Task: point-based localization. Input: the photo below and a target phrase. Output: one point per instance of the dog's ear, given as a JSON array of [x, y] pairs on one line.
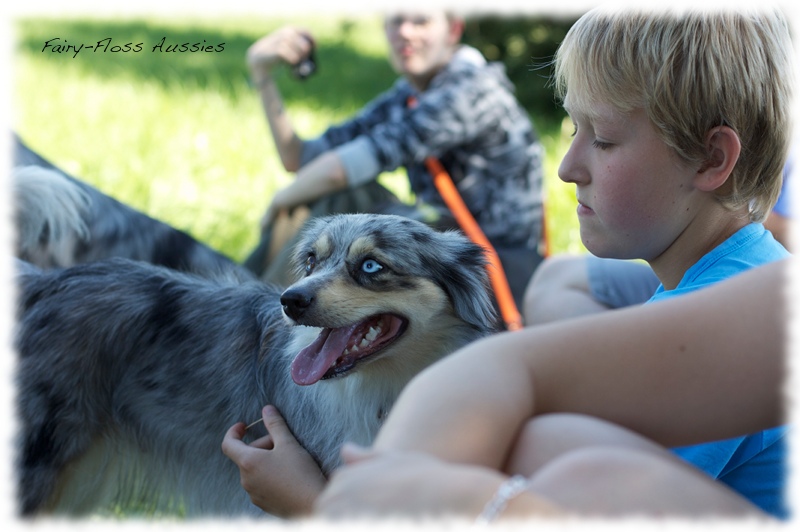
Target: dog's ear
[[465, 278]]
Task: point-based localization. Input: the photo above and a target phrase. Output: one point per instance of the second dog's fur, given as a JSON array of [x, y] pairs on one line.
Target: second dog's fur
[[63, 221], [130, 374]]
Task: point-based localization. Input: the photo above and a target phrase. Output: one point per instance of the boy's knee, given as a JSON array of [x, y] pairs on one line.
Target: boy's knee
[[554, 278], [614, 481], [596, 475], [559, 272], [546, 438], [599, 463]]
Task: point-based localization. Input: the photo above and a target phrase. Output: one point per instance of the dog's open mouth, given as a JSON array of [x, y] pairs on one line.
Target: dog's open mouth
[[337, 351]]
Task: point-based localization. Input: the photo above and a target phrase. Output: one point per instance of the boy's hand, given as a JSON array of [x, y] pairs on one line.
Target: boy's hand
[[287, 45], [404, 484], [278, 474]]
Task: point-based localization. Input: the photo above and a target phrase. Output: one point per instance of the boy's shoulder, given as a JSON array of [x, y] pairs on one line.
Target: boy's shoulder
[[469, 69]]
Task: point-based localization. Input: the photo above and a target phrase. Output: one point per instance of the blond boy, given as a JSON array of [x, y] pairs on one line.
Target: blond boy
[[681, 129]]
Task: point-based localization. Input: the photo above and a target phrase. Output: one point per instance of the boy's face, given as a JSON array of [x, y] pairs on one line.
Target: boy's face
[[635, 195], [420, 44]]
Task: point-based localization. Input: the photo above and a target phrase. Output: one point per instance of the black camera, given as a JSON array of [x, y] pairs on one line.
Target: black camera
[[306, 66]]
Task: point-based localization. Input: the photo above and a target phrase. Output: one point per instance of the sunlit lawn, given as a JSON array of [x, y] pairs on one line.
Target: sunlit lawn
[[181, 136]]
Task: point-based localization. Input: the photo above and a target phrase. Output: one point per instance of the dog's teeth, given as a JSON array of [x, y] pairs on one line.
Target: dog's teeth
[[364, 343], [372, 334], [347, 351], [354, 349]]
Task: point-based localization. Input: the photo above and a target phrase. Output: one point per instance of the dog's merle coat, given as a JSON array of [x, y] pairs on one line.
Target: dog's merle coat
[[130, 373]]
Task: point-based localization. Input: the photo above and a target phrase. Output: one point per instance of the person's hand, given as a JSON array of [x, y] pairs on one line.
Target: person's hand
[[286, 45], [404, 484], [278, 474]]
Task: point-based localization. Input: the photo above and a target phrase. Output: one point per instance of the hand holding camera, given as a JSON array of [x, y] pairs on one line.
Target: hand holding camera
[[289, 45]]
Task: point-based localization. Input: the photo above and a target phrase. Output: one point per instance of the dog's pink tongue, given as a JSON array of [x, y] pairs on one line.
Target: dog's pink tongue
[[314, 361]]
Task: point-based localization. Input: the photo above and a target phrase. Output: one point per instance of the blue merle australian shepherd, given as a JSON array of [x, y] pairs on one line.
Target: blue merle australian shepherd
[[130, 373]]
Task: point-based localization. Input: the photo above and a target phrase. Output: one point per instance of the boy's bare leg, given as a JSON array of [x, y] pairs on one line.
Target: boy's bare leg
[[596, 468], [558, 290]]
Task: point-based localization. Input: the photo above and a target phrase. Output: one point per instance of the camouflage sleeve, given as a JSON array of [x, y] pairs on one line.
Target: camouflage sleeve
[[456, 114], [339, 136], [388, 134]]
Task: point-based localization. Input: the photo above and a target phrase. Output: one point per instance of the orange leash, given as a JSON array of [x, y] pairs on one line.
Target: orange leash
[[497, 276], [502, 292]]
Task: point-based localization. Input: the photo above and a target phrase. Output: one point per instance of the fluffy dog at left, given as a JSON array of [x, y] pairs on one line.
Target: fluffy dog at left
[[62, 221], [129, 374]]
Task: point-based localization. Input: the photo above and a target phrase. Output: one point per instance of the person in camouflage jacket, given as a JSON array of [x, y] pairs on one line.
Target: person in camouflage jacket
[[450, 104]]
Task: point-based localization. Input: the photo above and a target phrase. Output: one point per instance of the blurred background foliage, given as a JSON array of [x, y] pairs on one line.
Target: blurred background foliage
[[526, 46], [181, 136]]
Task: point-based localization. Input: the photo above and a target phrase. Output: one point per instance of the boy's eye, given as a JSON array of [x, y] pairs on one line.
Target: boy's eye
[[601, 145], [371, 266], [417, 20]]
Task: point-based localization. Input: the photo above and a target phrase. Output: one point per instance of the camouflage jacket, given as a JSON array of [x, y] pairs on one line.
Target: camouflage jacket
[[469, 119]]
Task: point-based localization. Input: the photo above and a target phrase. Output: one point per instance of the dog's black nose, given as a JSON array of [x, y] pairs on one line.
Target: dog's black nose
[[295, 303]]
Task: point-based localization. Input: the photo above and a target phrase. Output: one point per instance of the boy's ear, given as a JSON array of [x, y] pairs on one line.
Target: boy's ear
[[456, 30], [724, 147]]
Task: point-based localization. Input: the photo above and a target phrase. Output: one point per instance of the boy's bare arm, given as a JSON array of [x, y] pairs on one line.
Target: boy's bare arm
[[286, 45], [701, 367]]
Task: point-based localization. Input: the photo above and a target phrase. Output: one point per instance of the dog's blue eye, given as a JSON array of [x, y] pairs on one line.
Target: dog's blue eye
[[371, 266], [311, 261]]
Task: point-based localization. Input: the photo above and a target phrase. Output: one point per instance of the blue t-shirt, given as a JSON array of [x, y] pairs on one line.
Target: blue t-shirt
[[753, 465]]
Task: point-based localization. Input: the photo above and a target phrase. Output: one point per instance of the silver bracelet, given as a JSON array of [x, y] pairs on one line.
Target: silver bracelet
[[507, 491]]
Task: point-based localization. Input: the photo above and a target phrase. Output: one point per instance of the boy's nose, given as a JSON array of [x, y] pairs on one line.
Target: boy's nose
[[570, 171]]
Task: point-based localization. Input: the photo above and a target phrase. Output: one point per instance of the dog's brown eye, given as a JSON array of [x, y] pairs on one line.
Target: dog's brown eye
[[311, 261]]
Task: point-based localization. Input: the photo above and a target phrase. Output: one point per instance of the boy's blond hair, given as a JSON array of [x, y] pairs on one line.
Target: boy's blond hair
[[692, 70]]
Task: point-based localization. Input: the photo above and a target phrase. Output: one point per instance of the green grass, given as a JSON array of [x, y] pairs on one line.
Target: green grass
[[182, 136]]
